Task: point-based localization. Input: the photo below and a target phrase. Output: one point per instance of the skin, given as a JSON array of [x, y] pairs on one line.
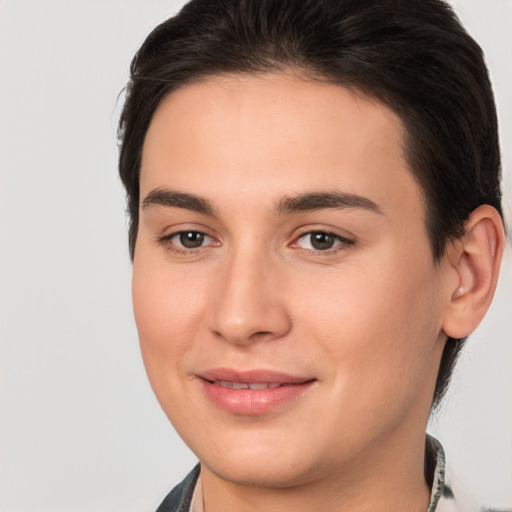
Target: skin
[[364, 319]]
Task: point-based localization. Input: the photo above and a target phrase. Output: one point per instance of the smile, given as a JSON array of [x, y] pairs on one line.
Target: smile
[[246, 385], [254, 392]]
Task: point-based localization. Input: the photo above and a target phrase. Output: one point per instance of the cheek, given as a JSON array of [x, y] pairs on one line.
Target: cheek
[[378, 325], [168, 314]]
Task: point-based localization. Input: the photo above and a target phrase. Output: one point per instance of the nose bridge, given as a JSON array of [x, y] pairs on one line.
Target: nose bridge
[[247, 304]]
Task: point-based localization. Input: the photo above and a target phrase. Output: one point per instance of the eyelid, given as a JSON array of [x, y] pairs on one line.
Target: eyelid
[[343, 241], [166, 240], [174, 229], [179, 233]]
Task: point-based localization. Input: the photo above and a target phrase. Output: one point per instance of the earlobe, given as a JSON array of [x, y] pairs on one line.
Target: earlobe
[[476, 258]]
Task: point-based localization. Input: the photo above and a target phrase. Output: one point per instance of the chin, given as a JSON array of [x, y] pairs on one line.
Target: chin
[[256, 460], [269, 473]]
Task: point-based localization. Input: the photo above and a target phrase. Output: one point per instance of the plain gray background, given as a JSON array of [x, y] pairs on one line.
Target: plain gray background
[[80, 428]]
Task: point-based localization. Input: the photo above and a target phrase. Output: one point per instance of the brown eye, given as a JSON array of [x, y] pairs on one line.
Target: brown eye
[[321, 241], [191, 239], [185, 243]]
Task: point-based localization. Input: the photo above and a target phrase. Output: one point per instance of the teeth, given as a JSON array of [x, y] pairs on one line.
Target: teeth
[[264, 385], [254, 385], [239, 385], [244, 385]]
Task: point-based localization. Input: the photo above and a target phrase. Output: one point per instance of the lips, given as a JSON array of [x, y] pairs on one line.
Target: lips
[[246, 385], [252, 392]]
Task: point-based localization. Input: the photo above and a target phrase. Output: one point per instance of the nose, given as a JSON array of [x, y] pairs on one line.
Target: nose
[[249, 302]]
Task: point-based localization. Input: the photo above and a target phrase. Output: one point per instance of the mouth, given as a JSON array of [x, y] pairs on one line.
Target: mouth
[[253, 392], [247, 385]]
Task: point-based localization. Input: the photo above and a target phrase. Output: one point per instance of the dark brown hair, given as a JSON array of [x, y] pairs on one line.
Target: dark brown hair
[[412, 55]]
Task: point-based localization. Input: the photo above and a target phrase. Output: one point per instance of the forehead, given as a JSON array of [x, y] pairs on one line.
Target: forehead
[[271, 135]]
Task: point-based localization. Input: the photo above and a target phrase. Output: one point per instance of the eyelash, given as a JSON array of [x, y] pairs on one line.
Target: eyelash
[[167, 242], [342, 244]]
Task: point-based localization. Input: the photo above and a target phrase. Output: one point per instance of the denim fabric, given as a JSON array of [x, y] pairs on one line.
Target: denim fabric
[[178, 500]]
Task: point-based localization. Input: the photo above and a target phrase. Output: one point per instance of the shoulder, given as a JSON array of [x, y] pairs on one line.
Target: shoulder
[[448, 493], [457, 498], [178, 500]]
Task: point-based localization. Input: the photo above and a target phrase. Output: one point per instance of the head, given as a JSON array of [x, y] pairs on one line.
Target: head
[[410, 59], [412, 55]]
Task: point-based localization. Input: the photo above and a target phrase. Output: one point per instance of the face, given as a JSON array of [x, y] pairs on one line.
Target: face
[[288, 307]]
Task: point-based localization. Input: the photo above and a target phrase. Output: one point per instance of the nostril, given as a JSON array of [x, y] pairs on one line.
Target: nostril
[[261, 334]]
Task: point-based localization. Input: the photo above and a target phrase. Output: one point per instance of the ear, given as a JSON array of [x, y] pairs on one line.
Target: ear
[[476, 258]]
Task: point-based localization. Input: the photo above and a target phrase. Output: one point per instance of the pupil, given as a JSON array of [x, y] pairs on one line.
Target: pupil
[[322, 241], [191, 239]]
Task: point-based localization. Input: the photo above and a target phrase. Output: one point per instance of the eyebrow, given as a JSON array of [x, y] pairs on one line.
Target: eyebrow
[[325, 200], [164, 197], [310, 201]]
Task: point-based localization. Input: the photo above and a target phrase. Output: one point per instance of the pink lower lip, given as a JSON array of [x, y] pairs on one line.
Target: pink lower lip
[[253, 401]]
